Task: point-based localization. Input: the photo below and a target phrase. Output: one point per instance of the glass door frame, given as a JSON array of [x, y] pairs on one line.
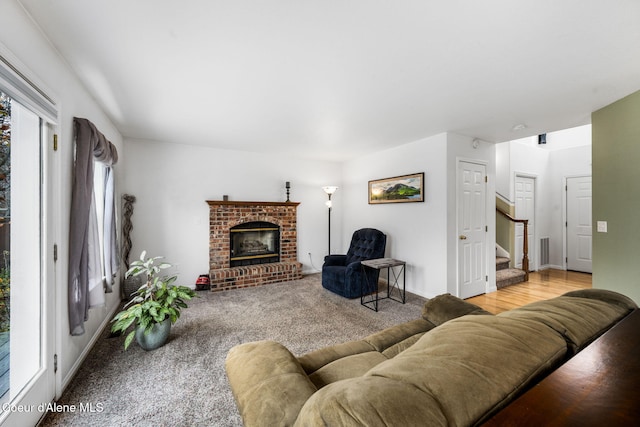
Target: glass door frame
[[30, 404]]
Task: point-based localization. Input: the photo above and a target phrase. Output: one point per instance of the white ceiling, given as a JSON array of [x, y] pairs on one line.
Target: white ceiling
[[333, 78]]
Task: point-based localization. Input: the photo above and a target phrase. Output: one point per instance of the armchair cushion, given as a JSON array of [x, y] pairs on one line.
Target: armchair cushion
[[343, 274]]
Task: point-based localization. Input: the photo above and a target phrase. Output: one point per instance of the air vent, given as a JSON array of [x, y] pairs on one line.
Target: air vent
[[544, 251]]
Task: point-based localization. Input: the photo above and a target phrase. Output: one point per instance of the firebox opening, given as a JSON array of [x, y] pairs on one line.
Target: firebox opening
[[256, 242]]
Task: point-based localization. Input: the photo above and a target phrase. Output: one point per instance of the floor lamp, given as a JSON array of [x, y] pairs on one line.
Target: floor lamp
[[329, 190]]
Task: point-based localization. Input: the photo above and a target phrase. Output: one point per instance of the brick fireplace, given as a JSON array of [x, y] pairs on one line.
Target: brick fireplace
[[227, 215]]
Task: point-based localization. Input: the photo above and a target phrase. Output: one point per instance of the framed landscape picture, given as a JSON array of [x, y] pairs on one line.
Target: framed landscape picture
[[399, 189]]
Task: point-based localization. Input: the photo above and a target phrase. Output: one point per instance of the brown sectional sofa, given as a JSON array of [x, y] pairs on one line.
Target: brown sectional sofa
[[456, 365]]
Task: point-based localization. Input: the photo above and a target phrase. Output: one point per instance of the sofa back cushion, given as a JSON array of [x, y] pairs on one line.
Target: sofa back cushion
[[578, 319], [456, 374]]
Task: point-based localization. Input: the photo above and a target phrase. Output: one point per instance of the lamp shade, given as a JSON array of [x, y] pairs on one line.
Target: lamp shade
[[330, 189]]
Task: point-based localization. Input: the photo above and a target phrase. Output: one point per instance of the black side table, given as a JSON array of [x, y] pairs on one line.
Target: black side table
[[394, 266]]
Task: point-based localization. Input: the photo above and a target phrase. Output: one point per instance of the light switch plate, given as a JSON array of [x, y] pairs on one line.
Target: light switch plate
[[602, 226]]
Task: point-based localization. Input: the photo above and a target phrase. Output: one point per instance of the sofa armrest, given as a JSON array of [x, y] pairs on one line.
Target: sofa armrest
[[268, 383], [335, 260], [441, 309]]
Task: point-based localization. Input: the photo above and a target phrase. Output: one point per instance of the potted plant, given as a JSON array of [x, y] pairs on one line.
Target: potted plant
[[155, 306]]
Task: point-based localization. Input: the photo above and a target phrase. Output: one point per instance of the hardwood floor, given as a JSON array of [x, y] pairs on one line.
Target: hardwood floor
[[542, 285]]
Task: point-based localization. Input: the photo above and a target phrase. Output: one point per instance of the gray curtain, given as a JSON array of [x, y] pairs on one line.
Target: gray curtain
[[90, 145]]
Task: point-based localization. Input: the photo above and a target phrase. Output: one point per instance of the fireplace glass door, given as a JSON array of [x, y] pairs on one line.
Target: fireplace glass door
[[255, 243]]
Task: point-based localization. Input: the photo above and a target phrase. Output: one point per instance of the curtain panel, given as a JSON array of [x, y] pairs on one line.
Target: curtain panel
[[90, 274]]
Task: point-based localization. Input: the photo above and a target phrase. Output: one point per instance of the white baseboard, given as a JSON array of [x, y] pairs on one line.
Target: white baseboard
[[551, 266], [74, 368]]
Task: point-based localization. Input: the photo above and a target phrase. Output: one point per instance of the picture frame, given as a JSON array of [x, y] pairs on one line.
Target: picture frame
[[397, 189]]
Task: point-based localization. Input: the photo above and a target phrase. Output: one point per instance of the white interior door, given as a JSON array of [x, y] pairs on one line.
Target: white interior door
[[525, 207], [30, 374], [472, 226], [579, 224]]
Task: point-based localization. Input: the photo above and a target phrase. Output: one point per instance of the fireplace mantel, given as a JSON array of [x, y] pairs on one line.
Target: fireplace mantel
[[241, 203], [225, 214]]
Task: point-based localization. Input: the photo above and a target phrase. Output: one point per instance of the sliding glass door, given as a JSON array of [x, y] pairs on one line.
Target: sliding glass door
[[26, 271]]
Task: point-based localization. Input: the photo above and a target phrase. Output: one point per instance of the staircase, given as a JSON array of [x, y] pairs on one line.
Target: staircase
[[506, 276]]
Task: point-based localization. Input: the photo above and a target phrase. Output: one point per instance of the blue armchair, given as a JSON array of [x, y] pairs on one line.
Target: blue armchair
[[342, 274]]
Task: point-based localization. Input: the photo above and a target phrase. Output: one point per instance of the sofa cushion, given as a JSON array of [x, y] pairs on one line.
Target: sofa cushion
[[352, 366], [370, 401], [445, 307], [379, 341], [268, 383], [315, 360], [579, 320], [456, 374], [401, 346], [389, 337]]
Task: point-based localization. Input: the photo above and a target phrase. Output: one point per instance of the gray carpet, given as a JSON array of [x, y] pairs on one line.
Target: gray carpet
[[184, 382]]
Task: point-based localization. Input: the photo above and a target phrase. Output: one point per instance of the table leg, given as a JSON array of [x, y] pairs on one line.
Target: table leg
[[363, 294]]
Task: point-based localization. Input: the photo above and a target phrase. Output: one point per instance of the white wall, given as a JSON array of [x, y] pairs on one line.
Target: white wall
[[579, 136], [416, 232], [172, 182], [422, 234], [40, 61]]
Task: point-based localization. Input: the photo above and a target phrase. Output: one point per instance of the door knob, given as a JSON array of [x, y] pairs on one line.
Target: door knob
[[463, 237]]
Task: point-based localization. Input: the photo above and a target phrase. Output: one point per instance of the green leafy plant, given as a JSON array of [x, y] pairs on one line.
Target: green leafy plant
[[5, 292], [155, 301], [5, 157]]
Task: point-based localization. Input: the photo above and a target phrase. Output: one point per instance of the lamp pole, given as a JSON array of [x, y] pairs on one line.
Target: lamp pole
[[329, 190], [329, 222]]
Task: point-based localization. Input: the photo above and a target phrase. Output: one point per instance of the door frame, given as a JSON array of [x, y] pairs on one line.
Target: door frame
[[533, 246], [565, 242], [489, 216], [27, 89]]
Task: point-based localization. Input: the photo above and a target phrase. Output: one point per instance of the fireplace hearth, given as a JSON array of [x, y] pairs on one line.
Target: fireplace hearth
[[252, 243]]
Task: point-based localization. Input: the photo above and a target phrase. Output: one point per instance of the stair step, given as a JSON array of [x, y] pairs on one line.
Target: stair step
[[502, 263], [508, 277]]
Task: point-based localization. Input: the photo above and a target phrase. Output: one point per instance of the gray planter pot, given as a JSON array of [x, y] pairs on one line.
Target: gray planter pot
[[157, 337]]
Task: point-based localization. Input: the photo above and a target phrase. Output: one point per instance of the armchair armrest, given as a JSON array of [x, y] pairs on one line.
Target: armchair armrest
[[335, 260], [355, 265]]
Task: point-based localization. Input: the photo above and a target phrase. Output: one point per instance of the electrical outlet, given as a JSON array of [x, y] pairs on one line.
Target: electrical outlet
[[602, 226]]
